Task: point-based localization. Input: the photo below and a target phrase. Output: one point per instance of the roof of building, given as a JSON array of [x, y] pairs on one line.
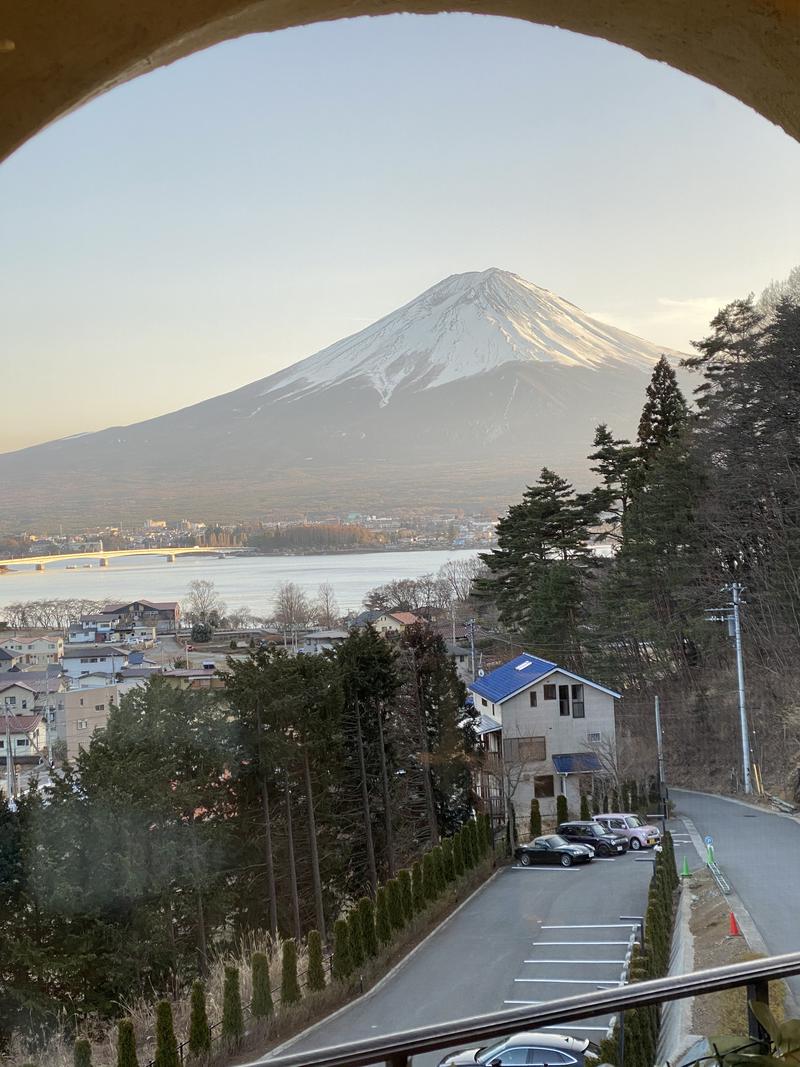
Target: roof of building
[[140, 672], [407, 618], [326, 635], [38, 681], [577, 762], [103, 649], [166, 605], [190, 672], [16, 684], [519, 674], [23, 724], [487, 725], [365, 617], [5, 655]]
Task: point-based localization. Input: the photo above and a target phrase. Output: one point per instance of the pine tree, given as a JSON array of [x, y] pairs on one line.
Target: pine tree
[[366, 913], [664, 413], [261, 1005], [290, 987], [126, 1044], [438, 867], [82, 1053], [315, 979], [562, 810], [342, 963], [383, 925], [614, 459], [406, 893], [585, 813], [395, 904], [199, 1030], [355, 939], [232, 1015], [538, 570], [166, 1043], [536, 819]]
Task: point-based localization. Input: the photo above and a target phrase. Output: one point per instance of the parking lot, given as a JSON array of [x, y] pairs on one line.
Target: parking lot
[[531, 934]]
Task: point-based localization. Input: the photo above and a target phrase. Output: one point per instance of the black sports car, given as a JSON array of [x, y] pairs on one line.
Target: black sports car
[[553, 849]]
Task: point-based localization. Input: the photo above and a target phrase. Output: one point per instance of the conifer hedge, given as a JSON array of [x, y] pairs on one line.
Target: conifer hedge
[[394, 897], [342, 961], [458, 855], [585, 813], [536, 818], [82, 1053], [166, 1044], [406, 894], [315, 979], [417, 888], [428, 878], [261, 1004], [232, 1014], [366, 913], [126, 1044], [290, 987], [383, 925], [562, 810], [199, 1030]]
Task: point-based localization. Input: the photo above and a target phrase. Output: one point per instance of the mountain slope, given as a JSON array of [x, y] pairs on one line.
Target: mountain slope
[[457, 398]]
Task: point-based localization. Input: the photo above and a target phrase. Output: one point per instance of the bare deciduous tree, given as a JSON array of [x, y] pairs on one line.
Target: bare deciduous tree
[[460, 574], [326, 608], [291, 607], [203, 602]]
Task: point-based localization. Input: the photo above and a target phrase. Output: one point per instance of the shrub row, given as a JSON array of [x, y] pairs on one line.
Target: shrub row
[[650, 960]]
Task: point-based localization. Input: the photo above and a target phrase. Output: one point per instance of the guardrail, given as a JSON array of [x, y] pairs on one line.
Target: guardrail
[[398, 1050]]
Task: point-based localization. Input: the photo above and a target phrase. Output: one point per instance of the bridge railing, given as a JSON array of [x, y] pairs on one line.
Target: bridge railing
[[399, 1049]]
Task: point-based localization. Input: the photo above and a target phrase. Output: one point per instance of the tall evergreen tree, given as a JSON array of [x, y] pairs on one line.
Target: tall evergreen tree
[[126, 1044], [664, 413], [199, 1030], [342, 962], [232, 1015], [261, 1005], [290, 987], [166, 1043], [315, 979]]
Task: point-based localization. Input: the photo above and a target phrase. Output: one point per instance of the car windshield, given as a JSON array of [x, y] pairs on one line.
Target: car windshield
[[552, 841], [485, 1055], [595, 831], [633, 821]]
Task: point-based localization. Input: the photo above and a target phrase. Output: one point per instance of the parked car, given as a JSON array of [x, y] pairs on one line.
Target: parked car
[[639, 833], [553, 849], [604, 842], [544, 1049]]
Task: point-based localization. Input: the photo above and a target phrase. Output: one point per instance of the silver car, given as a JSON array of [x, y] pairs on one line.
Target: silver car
[[540, 1048]]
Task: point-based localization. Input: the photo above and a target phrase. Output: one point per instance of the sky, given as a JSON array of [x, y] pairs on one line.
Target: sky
[[214, 221]]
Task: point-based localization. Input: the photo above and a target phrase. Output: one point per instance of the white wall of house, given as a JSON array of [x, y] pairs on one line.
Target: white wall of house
[[85, 710], [561, 733], [35, 651], [94, 662]]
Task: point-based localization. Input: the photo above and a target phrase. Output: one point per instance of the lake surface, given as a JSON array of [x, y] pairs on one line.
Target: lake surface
[[241, 581]]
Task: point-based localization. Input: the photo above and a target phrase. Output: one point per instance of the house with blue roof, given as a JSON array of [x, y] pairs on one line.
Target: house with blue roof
[[543, 730]]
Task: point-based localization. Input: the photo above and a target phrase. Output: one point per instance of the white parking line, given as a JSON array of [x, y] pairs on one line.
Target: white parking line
[[602, 1029], [574, 961], [593, 926], [549, 944], [603, 859], [527, 1003], [551, 870], [570, 981]]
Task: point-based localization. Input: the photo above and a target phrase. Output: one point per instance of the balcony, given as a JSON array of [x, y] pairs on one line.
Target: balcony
[[399, 1049]]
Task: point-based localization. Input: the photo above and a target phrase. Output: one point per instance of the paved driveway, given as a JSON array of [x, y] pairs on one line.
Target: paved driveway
[[507, 946]]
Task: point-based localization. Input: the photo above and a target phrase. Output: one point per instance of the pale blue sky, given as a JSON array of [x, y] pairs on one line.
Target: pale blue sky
[[214, 221]]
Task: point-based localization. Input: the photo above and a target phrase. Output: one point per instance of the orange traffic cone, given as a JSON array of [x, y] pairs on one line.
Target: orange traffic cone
[[733, 926]]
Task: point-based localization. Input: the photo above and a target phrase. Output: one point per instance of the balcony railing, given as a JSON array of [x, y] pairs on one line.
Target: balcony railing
[[399, 1049]]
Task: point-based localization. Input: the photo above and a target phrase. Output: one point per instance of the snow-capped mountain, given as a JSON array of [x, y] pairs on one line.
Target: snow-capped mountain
[[467, 324], [458, 398]]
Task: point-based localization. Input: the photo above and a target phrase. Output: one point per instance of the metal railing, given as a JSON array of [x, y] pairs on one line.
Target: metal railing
[[398, 1050]]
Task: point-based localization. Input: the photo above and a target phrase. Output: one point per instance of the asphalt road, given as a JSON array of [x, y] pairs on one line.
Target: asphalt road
[[496, 952], [759, 854]]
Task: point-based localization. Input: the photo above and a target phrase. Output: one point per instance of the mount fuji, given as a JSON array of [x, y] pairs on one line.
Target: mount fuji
[[458, 398]]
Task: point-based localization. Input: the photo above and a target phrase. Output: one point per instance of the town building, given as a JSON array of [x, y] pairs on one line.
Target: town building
[[542, 728], [394, 622], [25, 732], [34, 648], [80, 660], [193, 678], [164, 616], [322, 641], [84, 711]]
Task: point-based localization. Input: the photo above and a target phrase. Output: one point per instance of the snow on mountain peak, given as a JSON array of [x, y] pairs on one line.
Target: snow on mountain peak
[[465, 325]]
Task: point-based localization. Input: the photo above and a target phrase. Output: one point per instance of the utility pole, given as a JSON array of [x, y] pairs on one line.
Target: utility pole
[[662, 785], [731, 614], [9, 760], [470, 627], [736, 597]]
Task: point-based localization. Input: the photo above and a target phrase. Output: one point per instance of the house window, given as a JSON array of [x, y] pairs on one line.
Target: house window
[[99, 707], [563, 700], [533, 698], [525, 749], [82, 724], [81, 701], [544, 785], [22, 742], [549, 692], [593, 738], [578, 707], [484, 702]]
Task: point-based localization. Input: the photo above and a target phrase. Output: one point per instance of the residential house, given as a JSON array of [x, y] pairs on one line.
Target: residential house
[[394, 622], [101, 658], [8, 659], [26, 735], [541, 727], [462, 660], [34, 648], [193, 678], [85, 710], [164, 616], [322, 641]]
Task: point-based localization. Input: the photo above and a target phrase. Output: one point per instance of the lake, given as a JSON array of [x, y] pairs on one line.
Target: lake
[[241, 581]]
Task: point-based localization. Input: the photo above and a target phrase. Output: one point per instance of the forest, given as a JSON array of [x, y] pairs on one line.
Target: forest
[[193, 821], [707, 494]]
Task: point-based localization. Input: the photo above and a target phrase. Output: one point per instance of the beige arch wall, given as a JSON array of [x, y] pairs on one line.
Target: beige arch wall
[[57, 54]]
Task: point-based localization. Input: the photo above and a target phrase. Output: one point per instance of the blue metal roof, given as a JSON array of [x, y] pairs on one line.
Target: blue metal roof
[[576, 762], [503, 682], [487, 725]]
